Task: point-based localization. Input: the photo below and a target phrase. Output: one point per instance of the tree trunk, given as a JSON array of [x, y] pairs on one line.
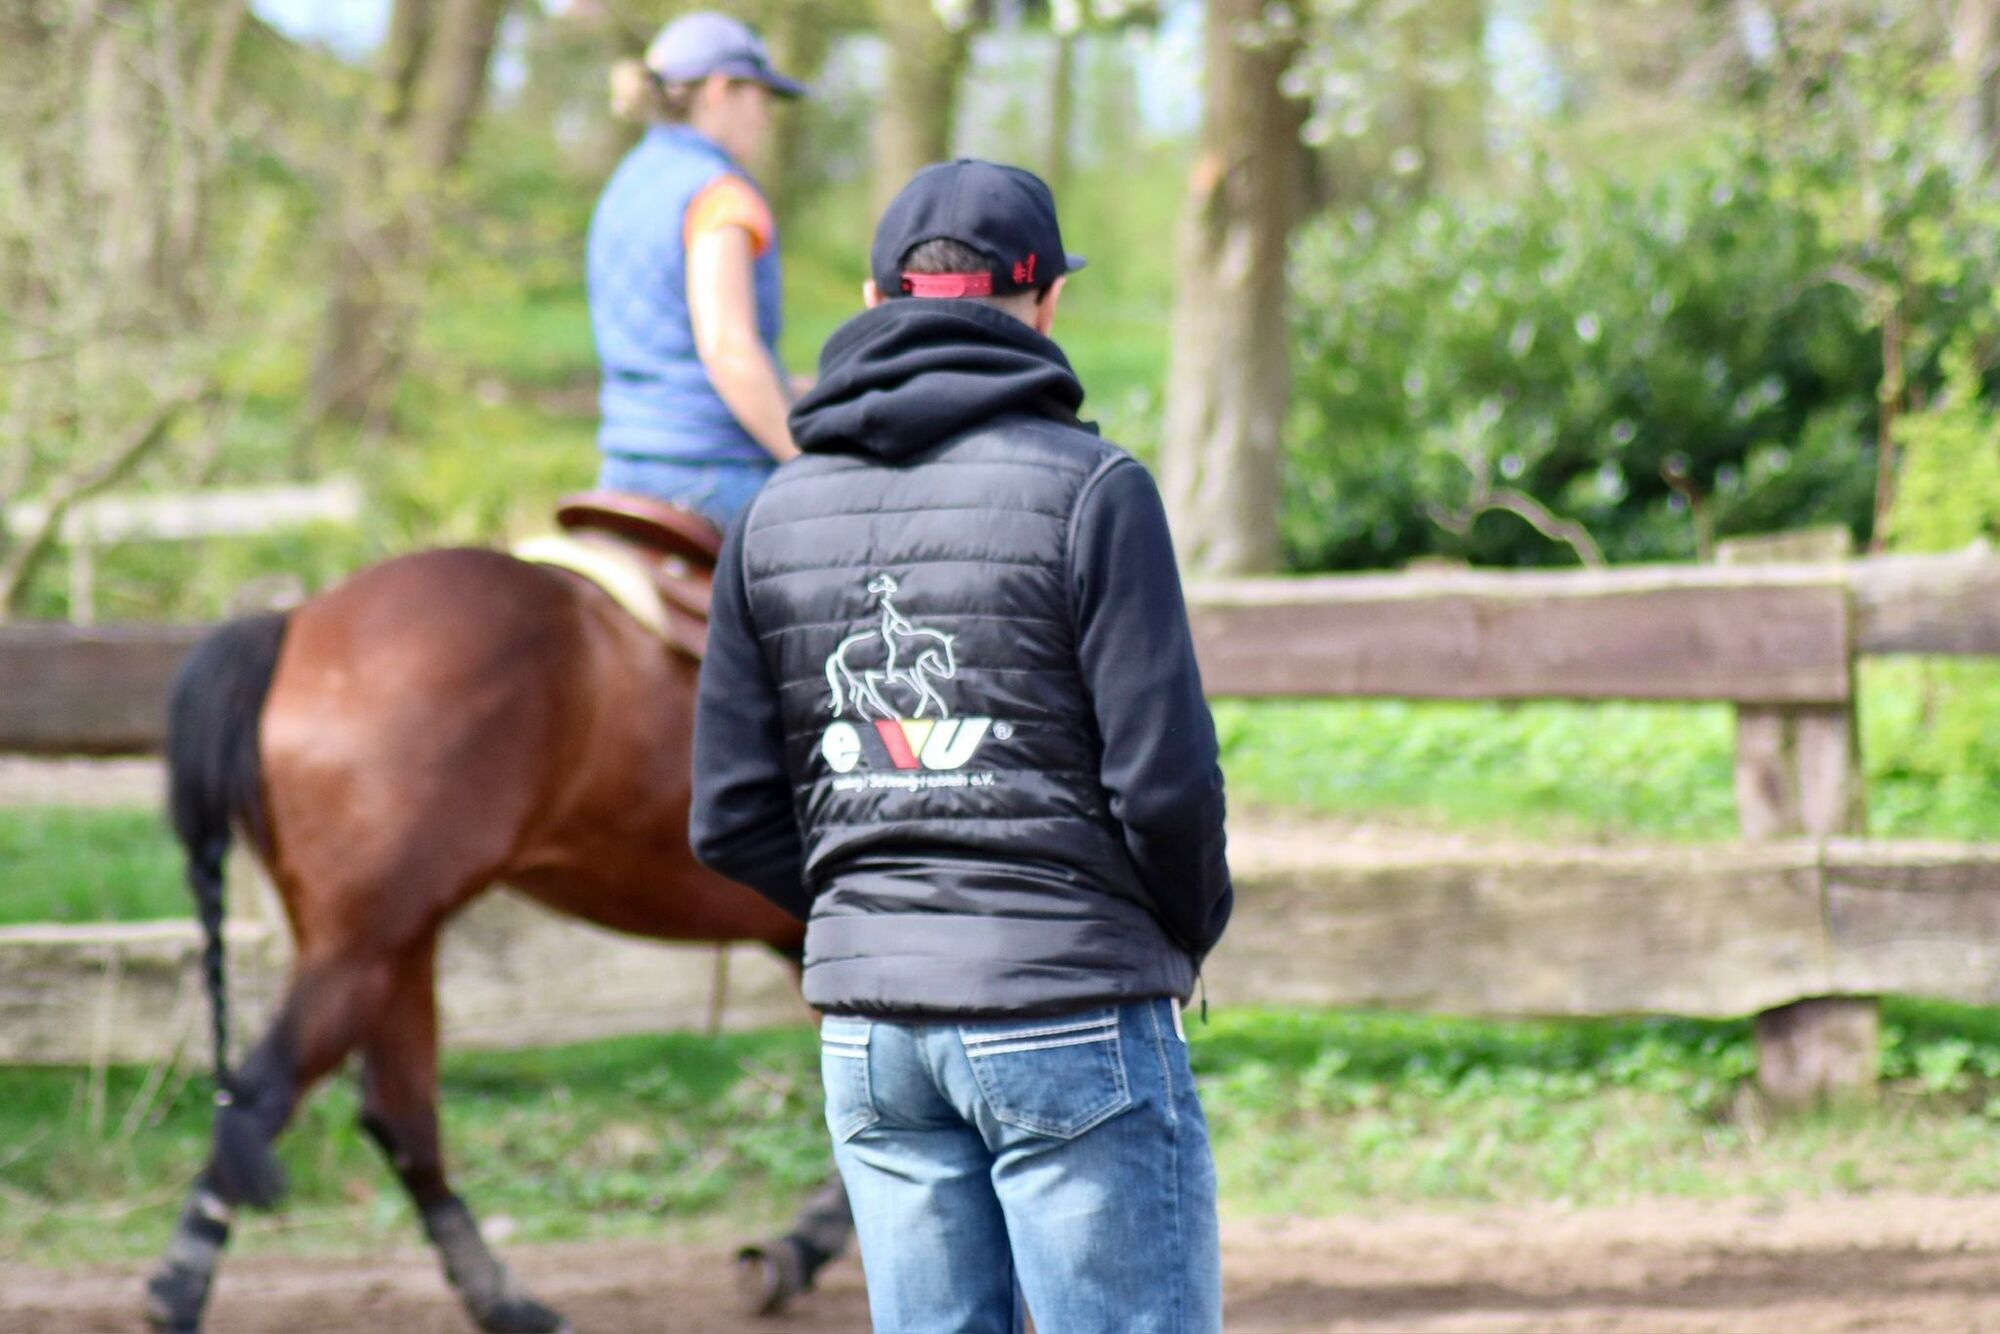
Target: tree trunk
[[1230, 377], [1975, 50], [117, 170], [195, 166], [432, 83], [452, 87], [1455, 119], [799, 38], [403, 48], [913, 124], [1062, 111]]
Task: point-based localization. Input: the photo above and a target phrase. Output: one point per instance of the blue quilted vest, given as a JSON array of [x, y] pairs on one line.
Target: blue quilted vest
[[656, 401]]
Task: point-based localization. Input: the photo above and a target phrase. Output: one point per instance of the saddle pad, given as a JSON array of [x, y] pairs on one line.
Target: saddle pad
[[612, 568]]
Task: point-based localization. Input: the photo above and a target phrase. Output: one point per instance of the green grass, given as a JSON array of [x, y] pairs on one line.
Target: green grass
[[1313, 1112], [60, 864], [1547, 771], [1321, 1112], [1529, 771], [596, 1140]]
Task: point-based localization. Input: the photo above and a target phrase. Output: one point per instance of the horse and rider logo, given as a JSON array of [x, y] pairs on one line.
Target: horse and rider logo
[[889, 675]]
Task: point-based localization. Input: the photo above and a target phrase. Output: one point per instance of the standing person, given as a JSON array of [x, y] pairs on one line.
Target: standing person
[[684, 279], [951, 716]]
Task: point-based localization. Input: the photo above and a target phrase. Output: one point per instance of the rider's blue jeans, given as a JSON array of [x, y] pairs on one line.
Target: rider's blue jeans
[[1061, 1160], [718, 491]]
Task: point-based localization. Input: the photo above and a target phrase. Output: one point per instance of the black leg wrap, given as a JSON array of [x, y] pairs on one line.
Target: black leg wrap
[[177, 1295], [825, 1225], [490, 1295], [244, 1170], [770, 1275]]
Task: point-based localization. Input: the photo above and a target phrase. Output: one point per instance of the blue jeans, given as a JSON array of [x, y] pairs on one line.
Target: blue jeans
[[717, 491], [1061, 1160]]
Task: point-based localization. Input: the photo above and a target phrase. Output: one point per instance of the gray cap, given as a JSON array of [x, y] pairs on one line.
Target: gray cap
[[697, 45]]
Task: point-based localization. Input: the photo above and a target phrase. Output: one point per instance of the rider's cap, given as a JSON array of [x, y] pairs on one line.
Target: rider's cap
[[697, 45], [1004, 213]]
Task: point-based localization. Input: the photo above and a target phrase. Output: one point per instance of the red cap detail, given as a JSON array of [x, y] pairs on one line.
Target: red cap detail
[[1024, 272], [948, 284]]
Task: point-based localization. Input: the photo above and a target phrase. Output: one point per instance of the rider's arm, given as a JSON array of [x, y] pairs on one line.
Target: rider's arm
[[722, 304], [1160, 766], [743, 825]]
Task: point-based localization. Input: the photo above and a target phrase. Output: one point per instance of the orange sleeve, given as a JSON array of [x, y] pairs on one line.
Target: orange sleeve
[[730, 201]]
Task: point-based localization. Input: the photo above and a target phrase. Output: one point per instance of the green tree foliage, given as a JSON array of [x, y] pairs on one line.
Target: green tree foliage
[[1576, 339], [1949, 493], [1946, 743]]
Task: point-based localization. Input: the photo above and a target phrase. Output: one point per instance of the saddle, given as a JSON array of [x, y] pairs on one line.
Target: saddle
[[656, 560]]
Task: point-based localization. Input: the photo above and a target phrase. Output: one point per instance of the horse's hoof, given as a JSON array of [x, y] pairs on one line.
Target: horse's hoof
[[522, 1315], [173, 1303], [769, 1276]]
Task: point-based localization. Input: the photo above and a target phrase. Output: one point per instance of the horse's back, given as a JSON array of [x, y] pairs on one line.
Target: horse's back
[[438, 614]]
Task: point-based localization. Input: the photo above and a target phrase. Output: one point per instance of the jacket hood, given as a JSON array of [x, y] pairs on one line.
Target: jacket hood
[[910, 373]]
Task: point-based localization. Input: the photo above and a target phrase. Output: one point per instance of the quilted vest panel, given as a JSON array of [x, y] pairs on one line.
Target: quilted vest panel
[[656, 400], [918, 621]]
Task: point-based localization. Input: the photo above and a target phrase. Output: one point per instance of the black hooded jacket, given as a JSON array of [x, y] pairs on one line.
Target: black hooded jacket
[[950, 712]]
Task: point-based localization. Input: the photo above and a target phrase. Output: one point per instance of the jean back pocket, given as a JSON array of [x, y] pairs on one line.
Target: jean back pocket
[[843, 1068], [1056, 1077]]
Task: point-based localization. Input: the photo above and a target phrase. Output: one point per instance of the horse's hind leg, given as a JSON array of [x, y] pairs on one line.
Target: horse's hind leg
[[770, 1274], [400, 1112], [331, 1003]]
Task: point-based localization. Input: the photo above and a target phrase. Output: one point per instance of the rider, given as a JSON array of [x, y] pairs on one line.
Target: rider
[[684, 288]]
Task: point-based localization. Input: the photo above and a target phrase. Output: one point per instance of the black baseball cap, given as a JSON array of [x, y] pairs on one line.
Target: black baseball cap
[[1004, 213]]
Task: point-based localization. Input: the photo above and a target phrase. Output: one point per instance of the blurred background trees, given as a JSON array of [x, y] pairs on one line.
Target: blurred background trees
[[118, 274], [1508, 281]]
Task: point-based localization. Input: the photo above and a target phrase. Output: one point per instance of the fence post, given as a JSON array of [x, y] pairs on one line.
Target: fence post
[[1798, 774]]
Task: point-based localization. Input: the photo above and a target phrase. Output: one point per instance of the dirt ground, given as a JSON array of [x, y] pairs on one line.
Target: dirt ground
[[1903, 1263], [1884, 1262]]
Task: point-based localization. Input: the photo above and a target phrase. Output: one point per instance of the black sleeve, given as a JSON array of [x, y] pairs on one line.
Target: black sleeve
[[1161, 764], [743, 824]]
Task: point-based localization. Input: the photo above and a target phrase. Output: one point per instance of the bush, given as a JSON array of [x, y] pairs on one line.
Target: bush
[[1577, 337]]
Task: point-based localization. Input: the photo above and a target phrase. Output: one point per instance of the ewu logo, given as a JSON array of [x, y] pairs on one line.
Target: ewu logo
[[912, 743], [889, 676]]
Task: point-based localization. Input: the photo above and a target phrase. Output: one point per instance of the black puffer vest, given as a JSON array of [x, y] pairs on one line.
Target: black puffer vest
[[914, 604]]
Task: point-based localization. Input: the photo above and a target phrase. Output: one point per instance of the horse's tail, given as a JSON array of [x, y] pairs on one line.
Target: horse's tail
[[215, 779]]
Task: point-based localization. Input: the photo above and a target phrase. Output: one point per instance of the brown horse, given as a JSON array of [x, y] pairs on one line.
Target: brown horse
[[436, 725]]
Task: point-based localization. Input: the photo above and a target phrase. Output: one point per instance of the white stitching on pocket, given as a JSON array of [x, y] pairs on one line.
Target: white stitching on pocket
[[1109, 1035], [1060, 1096], [1109, 1021], [851, 1045]]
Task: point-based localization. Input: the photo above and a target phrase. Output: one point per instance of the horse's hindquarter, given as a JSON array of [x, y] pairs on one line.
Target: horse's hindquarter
[[409, 731]]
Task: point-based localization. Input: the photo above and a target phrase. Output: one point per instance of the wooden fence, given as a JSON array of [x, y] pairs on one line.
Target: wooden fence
[[1801, 922]]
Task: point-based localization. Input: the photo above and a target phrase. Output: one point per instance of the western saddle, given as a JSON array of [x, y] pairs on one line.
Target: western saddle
[[608, 535]]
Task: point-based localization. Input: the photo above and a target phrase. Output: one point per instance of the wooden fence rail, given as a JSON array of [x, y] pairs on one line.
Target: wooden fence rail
[[1745, 634], [1706, 931], [1799, 923]]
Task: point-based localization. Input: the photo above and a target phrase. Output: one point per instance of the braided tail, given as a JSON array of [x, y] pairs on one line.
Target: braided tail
[[215, 782], [206, 878]]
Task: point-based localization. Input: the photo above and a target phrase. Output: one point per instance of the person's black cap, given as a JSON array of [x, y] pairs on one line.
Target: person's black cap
[[1004, 213]]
